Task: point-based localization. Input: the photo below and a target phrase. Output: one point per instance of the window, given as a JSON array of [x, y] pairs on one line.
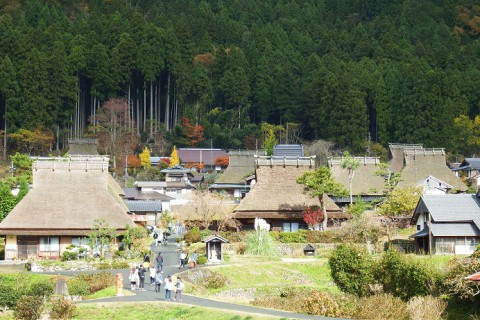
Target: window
[[290, 226], [418, 227], [50, 244], [78, 241]]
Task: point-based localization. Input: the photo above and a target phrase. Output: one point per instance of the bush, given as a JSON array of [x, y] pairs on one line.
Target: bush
[[202, 260], [104, 265], [426, 308], [29, 308], [118, 264], [327, 236], [321, 304], [455, 283], [352, 270], [62, 309], [215, 281], [382, 307], [299, 236], [78, 287], [12, 288], [69, 255], [241, 248], [233, 236], [42, 289], [97, 281], [193, 236], [404, 277], [283, 298]]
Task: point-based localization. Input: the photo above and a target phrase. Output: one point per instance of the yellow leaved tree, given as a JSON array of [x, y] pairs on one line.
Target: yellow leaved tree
[[174, 159], [145, 158]]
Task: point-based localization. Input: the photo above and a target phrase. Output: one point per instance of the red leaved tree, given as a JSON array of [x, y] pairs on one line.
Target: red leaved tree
[[194, 132], [133, 161], [222, 161], [313, 216]]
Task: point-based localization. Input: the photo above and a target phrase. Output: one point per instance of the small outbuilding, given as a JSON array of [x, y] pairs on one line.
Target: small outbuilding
[[214, 248]]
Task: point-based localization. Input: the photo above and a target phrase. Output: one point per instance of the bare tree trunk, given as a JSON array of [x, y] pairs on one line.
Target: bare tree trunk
[[5, 135], [58, 137], [167, 107], [138, 115], [130, 118], [144, 105], [151, 109]]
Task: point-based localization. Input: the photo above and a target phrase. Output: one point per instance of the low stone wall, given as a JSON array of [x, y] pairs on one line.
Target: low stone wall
[[284, 249]]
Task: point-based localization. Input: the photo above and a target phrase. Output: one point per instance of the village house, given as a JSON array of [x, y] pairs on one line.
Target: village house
[[206, 157], [447, 223], [239, 176], [471, 166], [68, 195], [277, 197]]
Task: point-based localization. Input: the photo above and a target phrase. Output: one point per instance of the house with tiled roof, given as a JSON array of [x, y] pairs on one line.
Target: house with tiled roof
[[205, 156], [447, 224], [67, 196]]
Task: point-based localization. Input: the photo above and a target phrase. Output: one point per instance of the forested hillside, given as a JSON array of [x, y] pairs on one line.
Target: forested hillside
[[399, 71]]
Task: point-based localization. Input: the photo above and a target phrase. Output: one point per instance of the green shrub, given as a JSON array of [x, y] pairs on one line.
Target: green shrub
[[404, 277], [42, 289], [62, 309], [260, 243], [8, 296], [29, 308], [299, 236], [193, 236], [119, 264], [12, 288], [69, 255], [78, 287], [202, 260], [97, 281], [104, 265], [215, 281], [233, 236], [352, 269], [382, 307], [321, 304]]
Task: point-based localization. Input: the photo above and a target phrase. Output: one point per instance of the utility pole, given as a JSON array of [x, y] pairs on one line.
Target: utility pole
[[368, 145], [126, 168]]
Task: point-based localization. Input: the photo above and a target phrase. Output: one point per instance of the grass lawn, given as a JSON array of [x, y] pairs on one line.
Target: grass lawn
[[148, 311]]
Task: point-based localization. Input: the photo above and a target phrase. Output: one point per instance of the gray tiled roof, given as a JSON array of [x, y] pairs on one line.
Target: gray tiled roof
[[144, 206], [454, 229], [449, 207], [289, 150], [471, 163]]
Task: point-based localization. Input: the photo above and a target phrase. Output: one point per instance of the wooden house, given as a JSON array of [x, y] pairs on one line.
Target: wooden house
[[67, 196], [277, 198]]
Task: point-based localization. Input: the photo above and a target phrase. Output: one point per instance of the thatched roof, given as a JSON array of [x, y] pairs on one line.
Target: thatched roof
[[66, 198], [240, 166], [396, 151], [420, 165], [365, 181], [277, 191], [82, 147]]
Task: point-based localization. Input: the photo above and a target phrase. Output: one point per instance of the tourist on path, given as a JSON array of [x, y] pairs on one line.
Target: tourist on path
[[158, 280], [155, 238], [152, 274], [159, 261], [168, 288], [179, 289], [133, 277], [183, 259], [192, 259], [141, 277], [146, 260]]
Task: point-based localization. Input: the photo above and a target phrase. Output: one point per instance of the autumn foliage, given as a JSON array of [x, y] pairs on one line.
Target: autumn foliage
[[222, 161], [133, 161], [313, 216], [194, 132], [198, 166]]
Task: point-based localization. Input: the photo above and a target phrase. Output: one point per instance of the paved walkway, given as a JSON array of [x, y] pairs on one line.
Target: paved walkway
[[171, 256]]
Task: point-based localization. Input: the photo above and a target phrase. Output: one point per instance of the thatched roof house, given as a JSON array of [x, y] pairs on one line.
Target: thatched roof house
[[233, 180], [67, 196], [277, 197], [77, 147], [422, 163], [366, 183]]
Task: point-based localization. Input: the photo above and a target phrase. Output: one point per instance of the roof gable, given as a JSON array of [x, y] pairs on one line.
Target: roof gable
[[199, 155], [449, 207]]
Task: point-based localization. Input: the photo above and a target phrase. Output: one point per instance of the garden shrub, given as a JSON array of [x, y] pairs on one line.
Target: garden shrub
[[404, 277], [426, 308], [351, 269], [29, 308], [313, 236], [260, 243], [119, 264], [42, 289], [321, 304], [202, 260], [283, 298], [382, 307], [240, 248], [12, 288], [69, 255], [62, 309], [192, 236], [299, 236], [455, 284], [97, 281], [104, 265], [215, 281], [78, 287], [233, 236]]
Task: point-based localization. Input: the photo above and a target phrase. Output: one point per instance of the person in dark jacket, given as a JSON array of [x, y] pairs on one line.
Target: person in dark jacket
[[141, 277], [159, 261]]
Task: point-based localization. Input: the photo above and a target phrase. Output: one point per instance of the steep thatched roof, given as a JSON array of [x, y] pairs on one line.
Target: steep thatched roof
[[277, 192], [419, 164], [66, 198], [82, 147], [240, 166], [365, 181]]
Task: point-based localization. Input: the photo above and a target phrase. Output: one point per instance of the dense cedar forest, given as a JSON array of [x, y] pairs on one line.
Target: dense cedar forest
[[339, 70]]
